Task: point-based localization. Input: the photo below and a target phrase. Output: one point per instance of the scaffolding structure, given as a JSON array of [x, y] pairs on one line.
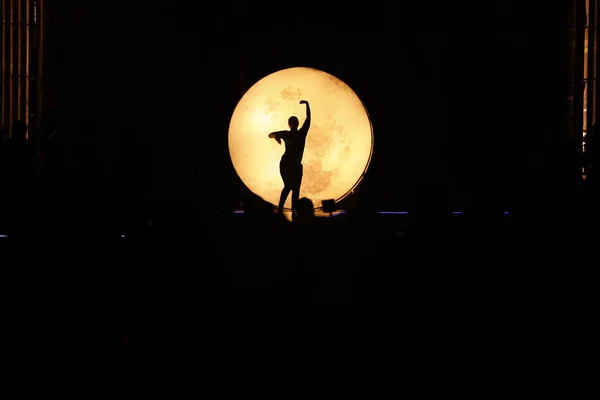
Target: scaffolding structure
[[585, 61], [21, 50]]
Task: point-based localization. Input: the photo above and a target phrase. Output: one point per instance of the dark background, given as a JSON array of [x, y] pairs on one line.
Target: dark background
[[459, 96]]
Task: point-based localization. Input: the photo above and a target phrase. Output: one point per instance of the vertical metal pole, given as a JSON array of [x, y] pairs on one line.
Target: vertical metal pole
[[32, 62], [578, 85], [23, 61], [18, 58], [27, 19], [13, 65], [597, 61], [7, 61], [568, 66], [2, 65], [32, 67], [39, 64], [590, 63]]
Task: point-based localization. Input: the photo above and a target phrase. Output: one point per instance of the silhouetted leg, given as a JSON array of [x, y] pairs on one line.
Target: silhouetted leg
[[284, 170], [283, 197], [296, 188], [295, 197]]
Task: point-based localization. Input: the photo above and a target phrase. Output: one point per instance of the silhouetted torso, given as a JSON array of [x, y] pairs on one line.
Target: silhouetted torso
[[295, 141]]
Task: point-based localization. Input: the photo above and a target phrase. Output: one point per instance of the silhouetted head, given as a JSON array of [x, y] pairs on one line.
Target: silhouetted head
[[305, 208], [293, 122], [19, 130]]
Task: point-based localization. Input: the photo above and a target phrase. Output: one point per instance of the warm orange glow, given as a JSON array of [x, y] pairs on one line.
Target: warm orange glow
[[339, 142]]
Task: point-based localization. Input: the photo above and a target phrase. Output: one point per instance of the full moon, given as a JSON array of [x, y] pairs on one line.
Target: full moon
[[338, 146]]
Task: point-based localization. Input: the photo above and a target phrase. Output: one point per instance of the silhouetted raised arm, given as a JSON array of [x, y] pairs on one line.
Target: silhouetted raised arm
[[306, 124]]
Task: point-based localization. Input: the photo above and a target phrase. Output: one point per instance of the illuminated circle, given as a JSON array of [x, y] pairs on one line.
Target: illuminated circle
[[338, 146]]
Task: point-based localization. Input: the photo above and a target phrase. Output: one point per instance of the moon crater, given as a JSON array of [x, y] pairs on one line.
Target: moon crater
[[316, 179], [291, 93]]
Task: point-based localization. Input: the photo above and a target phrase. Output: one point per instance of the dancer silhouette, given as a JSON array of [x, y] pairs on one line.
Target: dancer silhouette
[[290, 165]]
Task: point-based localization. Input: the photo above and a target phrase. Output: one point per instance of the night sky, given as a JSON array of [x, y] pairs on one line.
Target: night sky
[[458, 97]]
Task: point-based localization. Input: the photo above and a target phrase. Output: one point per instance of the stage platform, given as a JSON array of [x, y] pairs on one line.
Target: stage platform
[[288, 214], [341, 213], [388, 218]]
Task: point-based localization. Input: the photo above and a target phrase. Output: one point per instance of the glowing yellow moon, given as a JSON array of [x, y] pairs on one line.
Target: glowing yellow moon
[[338, 146]]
